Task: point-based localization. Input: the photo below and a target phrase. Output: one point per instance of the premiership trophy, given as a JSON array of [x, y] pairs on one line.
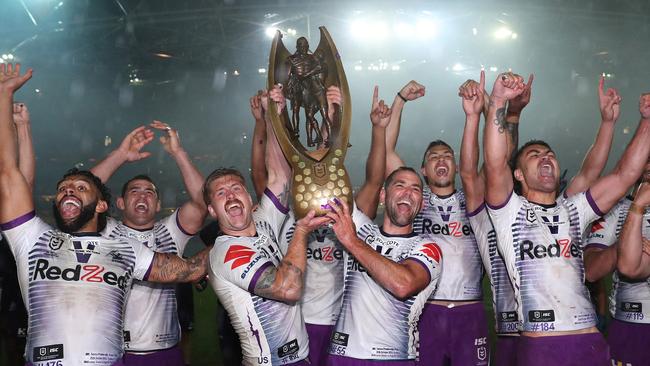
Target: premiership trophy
[[318, 173]]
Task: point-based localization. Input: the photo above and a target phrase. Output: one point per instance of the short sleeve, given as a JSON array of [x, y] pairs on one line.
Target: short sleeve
[[429, 255], [587, 208], [603, 231], [272, 211], [238, 263], [23, 231], [143, 260], [179, 235], [506, 213], [360, 219]]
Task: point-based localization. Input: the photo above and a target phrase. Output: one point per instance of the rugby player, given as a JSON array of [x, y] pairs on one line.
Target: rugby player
[[151, 327], [453, 326], [540, 235], [257, 284], [629, 301], [74, 281], [321, 300], [390, 272], [474, 98]]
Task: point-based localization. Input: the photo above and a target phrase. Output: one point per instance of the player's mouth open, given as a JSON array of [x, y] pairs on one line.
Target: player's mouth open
[[441, 171], [546, 170], [69, 206], [234, 208], [141, 207]]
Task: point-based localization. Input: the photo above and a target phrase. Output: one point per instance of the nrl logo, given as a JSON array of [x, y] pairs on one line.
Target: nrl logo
[[56, 242], [530, 216]]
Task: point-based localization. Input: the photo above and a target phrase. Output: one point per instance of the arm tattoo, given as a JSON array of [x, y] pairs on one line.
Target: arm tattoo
[[500, 119], [283, 197], [277, 283], [513, 130], [171, 268]]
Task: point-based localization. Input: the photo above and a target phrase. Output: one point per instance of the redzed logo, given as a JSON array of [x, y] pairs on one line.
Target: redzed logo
[[432, 251], [597, 225], [239, 254]]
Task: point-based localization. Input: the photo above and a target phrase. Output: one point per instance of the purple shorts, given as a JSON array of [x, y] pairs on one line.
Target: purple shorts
[[566, 350], [169, 357], [334, 360], [319, 342], [456, 336], [505, 353], [628, 343]]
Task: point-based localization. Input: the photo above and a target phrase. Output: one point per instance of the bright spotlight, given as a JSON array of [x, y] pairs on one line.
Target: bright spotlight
[[458, 67], [10, 56], [4, 56], [403, 30], [395, 68], [503, 33], [261, 70], [292, 31], [474, 31], [358, 29], [270, 31], [369, 31], [426, 28], [358, 67], [236, 72], [514, 36], [493, 68]]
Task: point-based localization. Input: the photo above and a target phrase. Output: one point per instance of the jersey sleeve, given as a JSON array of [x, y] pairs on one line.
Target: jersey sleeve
[[286, 234], [179, 235], [505, 214], [603, 231], [272, 211], [360, 219], [143, 260], [429, 255], [237, 263], [23, 231], [480, 222], [587, 208]]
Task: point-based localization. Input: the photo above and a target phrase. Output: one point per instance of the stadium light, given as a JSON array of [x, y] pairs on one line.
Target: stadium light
[[270, 31], [503, 33]]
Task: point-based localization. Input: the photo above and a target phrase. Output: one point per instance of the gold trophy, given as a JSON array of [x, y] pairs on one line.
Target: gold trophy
[[318, 174]]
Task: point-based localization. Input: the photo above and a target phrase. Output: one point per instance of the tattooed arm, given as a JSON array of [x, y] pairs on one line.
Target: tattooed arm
[[279, 171], [513, 114], [169, 268], [499, 183], [285, 282]]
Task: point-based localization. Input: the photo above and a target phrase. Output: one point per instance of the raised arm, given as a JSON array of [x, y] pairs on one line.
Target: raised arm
[[499, 183], [632, 261], [128, 151], [15, 193], [402, 279], [193, 212], [409, 92], [170, 268], [472, 96], [513, 115], [596, 157], [278, 168], [286, 281], [367, 198], [26, 156], [259, 174], [610, 188]]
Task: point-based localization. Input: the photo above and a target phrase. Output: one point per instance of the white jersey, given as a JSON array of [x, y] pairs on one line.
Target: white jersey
[[444, 221], [323, 291], [373, 324], [271, 332], [542, 248], [74, 288], [629, 300], [504, 303], [151, 319]]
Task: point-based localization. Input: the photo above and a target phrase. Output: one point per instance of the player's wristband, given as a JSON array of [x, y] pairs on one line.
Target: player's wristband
[[402, 97], [636, 209]]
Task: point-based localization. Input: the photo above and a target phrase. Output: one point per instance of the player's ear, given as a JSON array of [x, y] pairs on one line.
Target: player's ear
[[119, 202], [382, 196], [519, 175]]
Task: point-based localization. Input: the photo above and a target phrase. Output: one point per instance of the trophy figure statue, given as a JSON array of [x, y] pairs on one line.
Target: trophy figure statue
[[318, 174]]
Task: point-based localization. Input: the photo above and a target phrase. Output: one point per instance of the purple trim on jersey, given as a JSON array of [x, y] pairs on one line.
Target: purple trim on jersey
[[596, 246], [476, 212], [146, 274], [276, 201], [502, 205], [593, 204], [256, 276], [418, 261], [180, 227], [18, 221]]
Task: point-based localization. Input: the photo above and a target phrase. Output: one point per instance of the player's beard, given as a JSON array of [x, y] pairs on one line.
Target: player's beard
[[442, 184], [87, 213], [398, 219]]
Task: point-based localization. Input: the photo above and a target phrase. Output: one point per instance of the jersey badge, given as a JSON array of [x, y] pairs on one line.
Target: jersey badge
[[597, 225], [56, 242], [530, 215], [239, 254], [432, 251]]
